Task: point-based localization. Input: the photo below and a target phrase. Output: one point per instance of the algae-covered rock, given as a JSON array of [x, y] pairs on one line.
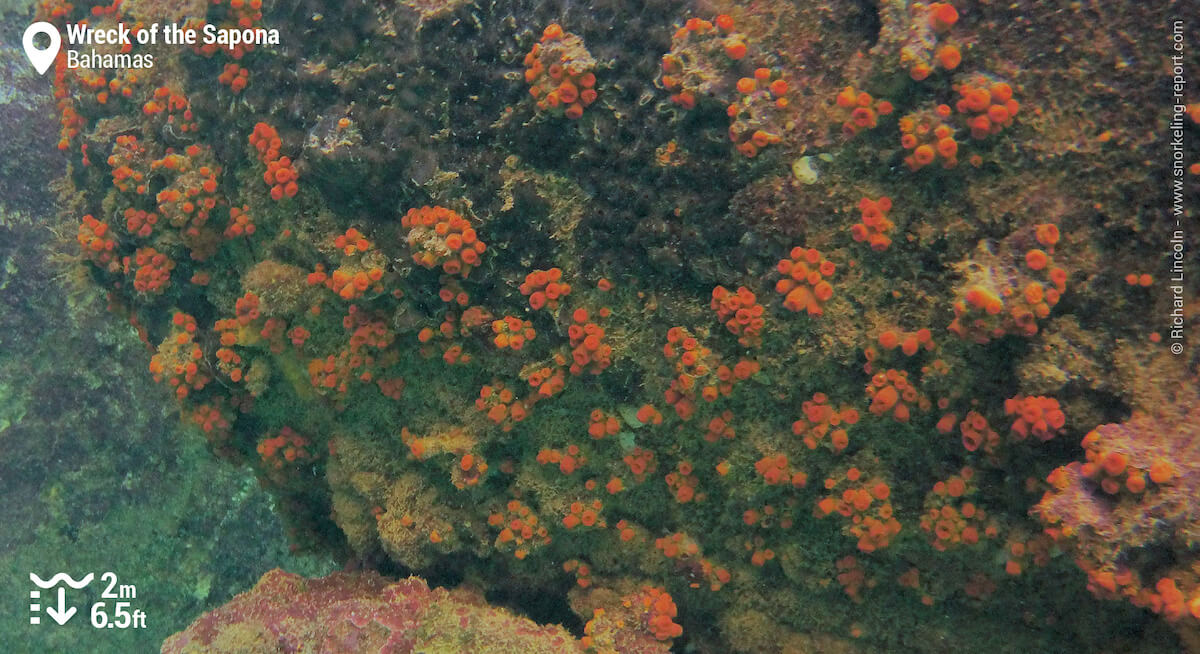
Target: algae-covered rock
[[362, 612], [456, 281]]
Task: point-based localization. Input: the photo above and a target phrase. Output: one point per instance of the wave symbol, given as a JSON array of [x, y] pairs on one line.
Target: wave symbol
[[59, 578]]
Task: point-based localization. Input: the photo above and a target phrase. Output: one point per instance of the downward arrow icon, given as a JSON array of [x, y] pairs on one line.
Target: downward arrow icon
[[63, 612]]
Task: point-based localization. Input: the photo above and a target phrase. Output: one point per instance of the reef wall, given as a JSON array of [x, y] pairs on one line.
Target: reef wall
[[762, 327]]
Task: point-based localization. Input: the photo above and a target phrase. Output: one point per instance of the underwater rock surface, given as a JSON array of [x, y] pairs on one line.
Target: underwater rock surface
[[527, 296], [361, 612]]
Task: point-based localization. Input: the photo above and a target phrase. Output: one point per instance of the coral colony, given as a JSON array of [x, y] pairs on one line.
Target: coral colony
[[552, 310]]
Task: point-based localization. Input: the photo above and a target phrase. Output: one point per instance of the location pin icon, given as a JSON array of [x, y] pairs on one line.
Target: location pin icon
[[41, 59]]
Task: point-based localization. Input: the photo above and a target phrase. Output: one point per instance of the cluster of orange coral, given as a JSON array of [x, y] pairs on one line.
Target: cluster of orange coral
[[907, 344], [942, 16], [759, 554], [1040, 416], [771, 516], [211, 420], [741, 313], [391, 388], [272, 332], [637, 622], [719, 427], [892, 393], [756, 117], [821, 419], [1169, 601], [520, 529], [938, 17], [659, 613], [568, 461], [601, 424], [704, 59], [127, 158], [512, 332], [229, 361], [441, 237], [581, 570], [1114, 470], [682, 483], [120, 85], [714, 39], [928, 139], [976, 433], [368, 333], [625, 530], [775, 470], [352, 242], [246, 309], [354, 277], [697, 368], [585, 515], [858, 110], [985, 313], [677, 546], [241, 223], [188, 200], [988, 105], [178, 110], [452, 291], [68, 117], [151, 270], [560, 74], [1133, 494], [641, 461], [1143, 280], [279, 176], [178, 356], [851, 577], [804, 284], [589, 352], [235, 77], [950, 518], [873, 226], [545, 288], [547, 380], [468, 470], [500, 406], [865, 502], [95, 241], [298, 335], [1023, 552], [285, 447], [686, 552]]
